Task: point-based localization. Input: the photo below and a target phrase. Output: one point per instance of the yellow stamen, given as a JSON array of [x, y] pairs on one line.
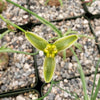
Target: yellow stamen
[[50, 50]]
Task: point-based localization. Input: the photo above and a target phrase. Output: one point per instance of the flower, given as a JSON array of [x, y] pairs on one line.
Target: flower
[[50, 50]]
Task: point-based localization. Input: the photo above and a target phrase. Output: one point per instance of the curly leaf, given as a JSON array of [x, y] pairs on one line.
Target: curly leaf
[[48, 68], [65, 42], [36, 41]]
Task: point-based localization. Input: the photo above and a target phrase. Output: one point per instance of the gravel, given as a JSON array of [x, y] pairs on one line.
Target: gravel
[[20, 71], [70, 8], [68, 68], [73, 86], [26, 96], [15, 14], [96, 28], [94, 8]]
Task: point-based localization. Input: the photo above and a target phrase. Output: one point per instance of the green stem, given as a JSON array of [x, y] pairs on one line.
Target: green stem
[[9, 22], [2, 35], [95, 77], [81, 75], [64, 54], [90, 37], [39, 18], [46, 2], [54, 38], [41, 98], [69, 32], [79, 46], [74, 95], [97, 90], [15, 51]]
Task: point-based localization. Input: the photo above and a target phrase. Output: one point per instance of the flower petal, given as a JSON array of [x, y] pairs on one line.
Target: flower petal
[[48, 68], [36, 41], [65, 42]]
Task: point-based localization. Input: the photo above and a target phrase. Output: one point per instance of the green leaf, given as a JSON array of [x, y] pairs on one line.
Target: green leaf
[[36, 41], [79, 46], [2, 35], [97, 90], [96, 71], [90, 2], [10, 23], [82, 35], [65, 42], [46, 2], [72, 94], [9, 50], [69, 32], [64, 54], [48, 68], [80, 70]]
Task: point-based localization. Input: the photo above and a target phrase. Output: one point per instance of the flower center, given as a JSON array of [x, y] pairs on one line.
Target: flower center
[[50, 50]]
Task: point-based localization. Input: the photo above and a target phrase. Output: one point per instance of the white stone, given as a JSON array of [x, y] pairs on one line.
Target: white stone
[[20, 98], [34, 98], [26, 66], [62, 64], [14, 18], [15, 83], [41, 1], [66, 94], [98, 33], [70, 66], [20, 38], [25, 16], [41, 53], [65, 80], [85, 22]]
